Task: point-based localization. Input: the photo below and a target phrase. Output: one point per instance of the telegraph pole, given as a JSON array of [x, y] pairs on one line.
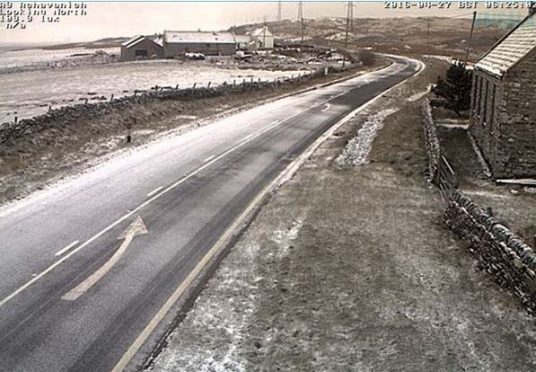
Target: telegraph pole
[[346, 34], [279, 8], [470, 39], [264, 34], [300, 18], [351, 5]]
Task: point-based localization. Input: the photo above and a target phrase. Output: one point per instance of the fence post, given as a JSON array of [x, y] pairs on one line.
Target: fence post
[[208, 86], [129, 132], [194, 85], [111, 98]]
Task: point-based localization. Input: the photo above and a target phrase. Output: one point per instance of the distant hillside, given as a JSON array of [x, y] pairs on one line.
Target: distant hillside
[[407, 35], [110, 42]]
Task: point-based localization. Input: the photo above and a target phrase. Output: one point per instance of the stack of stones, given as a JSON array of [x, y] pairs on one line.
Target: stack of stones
[[499, 251]]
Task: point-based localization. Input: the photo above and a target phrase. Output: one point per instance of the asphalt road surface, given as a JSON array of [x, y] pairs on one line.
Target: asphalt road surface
[[87, 264]]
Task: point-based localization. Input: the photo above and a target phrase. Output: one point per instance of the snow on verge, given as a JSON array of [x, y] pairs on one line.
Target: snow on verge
[[225, 309], [358, 148]]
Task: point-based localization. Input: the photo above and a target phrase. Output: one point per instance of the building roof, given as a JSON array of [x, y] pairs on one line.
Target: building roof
[[511, 49], [130, 42], [262, 31], [242, 38], [138, 38], [199, 37]]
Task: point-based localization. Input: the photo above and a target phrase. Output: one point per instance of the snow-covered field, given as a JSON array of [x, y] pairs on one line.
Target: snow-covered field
[[30, 93], [30, 57]]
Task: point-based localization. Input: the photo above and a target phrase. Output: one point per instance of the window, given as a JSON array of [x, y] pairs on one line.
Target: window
[[140, 53]]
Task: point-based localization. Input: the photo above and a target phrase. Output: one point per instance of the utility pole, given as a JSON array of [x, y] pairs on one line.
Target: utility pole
[[264, 34], [302, 21], [346, 34], [279, 8], [470, 40], [351, 5], [428, 25]]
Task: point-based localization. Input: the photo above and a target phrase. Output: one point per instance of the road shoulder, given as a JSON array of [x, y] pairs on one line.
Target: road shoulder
[[348, 264]]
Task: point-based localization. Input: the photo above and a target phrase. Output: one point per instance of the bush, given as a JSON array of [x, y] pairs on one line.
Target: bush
[[456, 87], [367, 57]]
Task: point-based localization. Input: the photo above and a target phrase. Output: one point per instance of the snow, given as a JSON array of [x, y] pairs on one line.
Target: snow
[[70, 86], [358, 148], [29, 57], [417, 96]]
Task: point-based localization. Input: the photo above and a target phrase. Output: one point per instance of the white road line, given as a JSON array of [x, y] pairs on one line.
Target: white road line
[[62, 251], [155, 191], [246, 140], [209, 158], [283, 177]]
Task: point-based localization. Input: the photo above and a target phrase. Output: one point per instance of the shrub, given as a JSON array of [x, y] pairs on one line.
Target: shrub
[[456, 87]]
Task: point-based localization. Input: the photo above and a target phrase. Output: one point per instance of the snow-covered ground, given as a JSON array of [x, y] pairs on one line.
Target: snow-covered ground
[[27, 94], [30, 57], [358, 148]]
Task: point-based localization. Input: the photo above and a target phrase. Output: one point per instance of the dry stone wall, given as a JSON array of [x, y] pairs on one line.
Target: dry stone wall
[[499, 251], [431, 141], [68, 114]]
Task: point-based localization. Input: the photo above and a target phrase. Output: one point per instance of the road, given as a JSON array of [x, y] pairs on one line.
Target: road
[[88, 263]]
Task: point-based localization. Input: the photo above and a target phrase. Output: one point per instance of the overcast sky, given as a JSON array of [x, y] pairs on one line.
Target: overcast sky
[[130, 18]]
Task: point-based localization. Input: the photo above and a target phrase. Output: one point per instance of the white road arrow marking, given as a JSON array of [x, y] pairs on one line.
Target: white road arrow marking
[[136, 228], [326, 108]]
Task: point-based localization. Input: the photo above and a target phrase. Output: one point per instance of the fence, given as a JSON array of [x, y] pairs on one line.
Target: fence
[[499, 251], [89, 110]]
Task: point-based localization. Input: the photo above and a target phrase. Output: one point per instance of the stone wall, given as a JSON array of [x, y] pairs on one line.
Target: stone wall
[[68, 114], [499, 251], [431, 141]]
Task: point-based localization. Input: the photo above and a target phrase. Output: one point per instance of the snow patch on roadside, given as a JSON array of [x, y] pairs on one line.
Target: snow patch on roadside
[[358, 148], [230, 318], [283, 238], [237, 286]]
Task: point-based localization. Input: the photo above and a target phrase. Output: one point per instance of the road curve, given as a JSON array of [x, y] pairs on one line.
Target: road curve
[[144, 220]]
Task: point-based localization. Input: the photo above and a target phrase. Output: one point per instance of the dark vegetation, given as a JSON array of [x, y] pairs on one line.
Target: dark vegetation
[[455, 88]]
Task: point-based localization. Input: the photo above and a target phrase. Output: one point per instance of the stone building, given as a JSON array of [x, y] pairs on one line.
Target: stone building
[[141, 47], [503, 103], [177, 43]]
